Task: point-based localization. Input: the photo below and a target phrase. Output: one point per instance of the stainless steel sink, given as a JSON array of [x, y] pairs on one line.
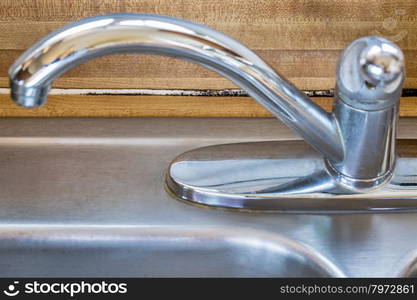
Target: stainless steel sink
[[86, 197], [173, 251]]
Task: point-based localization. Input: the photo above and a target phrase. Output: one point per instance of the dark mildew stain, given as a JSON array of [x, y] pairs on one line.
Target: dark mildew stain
[[196, 93], [199, 93], [409, 93], [218, 93]]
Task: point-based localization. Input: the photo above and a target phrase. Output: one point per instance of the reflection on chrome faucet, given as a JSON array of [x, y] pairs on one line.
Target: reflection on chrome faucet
[[355, 145]]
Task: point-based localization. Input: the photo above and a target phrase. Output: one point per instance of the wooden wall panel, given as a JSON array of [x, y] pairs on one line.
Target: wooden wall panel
[[302, 39]]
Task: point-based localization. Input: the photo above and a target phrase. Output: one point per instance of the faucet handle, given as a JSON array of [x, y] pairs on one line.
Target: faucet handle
[[381, 62], [370, 73], [369, 83]]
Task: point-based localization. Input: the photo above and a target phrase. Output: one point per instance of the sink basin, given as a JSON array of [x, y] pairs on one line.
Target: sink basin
[[86, 197], [133, 251]]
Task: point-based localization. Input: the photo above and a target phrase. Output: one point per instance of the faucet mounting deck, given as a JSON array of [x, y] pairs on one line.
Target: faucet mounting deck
[[352, 157]]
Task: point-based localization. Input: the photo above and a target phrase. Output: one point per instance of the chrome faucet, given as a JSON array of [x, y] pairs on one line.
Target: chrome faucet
[[355, 144]]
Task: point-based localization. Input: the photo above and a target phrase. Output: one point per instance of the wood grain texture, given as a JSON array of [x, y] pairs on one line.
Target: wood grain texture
[[158, 106], [300, 38]]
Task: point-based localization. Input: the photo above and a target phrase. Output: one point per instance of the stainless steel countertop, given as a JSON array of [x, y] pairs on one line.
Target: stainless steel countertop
[[109, 172]]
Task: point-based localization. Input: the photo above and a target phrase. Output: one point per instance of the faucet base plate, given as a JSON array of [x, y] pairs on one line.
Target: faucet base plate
[[284, 176]]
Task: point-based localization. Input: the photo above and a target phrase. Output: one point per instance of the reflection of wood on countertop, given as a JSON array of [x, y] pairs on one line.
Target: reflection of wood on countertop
[[302, 39]]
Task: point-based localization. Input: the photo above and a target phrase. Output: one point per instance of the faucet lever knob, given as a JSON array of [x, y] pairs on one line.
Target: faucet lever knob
[[381, 63]]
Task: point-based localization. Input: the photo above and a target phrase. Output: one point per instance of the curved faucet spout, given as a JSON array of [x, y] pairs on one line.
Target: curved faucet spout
[[33, 72]]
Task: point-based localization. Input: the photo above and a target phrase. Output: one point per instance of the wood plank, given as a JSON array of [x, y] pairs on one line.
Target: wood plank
[[282, 34], [261, 24], [147, 71], [153, 72], [219, 10], [300, 38], [187, 83], [158, 106]]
